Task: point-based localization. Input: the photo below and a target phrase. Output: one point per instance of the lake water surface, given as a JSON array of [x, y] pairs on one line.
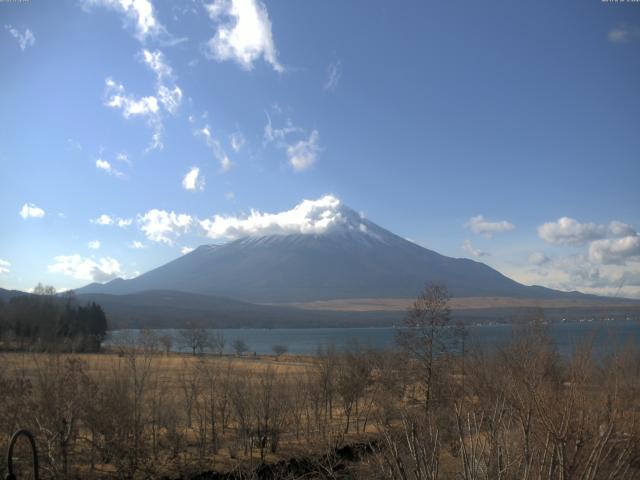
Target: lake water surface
[[607, 335]]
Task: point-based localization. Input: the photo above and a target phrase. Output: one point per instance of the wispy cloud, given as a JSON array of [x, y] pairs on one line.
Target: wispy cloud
[[538, 258], [136, 245], [273, 134], [468, 247], [168, 96], [145, 107], [243, 33], [237, 141], [482, 226], [334, 72], [5, 266], [214, 144], [167, 91], [123, 157], [94, 244], [302, 152], [623, 33], [25, 39]]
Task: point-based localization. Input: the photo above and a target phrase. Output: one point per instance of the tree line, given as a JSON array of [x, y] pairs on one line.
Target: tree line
[[45, 320]]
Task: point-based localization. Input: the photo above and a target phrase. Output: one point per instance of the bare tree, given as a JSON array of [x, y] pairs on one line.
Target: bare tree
[[196, 339], [148, 341], [240, 346], [217, 342], [279, 350], [167, 342], [424, 335]]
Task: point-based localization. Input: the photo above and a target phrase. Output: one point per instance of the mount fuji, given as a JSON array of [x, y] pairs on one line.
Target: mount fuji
[[321, 251]]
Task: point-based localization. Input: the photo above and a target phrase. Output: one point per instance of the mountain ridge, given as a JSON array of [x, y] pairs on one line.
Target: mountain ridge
[[349, 257]]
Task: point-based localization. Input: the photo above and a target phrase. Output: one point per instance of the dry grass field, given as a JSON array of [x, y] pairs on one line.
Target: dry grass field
[[520, 412], [464, 303], [170, 414]]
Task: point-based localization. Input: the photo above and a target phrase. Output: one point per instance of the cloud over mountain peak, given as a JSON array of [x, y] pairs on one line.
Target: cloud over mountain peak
[[308, 217]]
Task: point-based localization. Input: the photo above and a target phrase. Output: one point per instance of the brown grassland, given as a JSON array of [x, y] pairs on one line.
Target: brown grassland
[[520, 412], [467, 303]]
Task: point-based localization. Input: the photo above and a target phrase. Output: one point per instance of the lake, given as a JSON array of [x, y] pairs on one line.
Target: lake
[[607, 335]]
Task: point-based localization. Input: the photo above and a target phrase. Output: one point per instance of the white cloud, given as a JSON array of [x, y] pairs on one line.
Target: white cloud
[[578, 272], [309, 216], [623, 33], [4, 266], [124, 158], [615, 250], [74, 145], [279, 135], [144, 107], [237, 141], [94, 244], [214, 144], [568, 231], [105, 220], [138, 12], [156, 61], [83, 268], [168, 95], [468, 247], [229, 195], [107, 167], [29, 210], [136, 245], [225, 163], [162, 226], [538, 258], [481, 226], [171, 98], [304, 153], [243, 34], [25, 40], [193, 180], [130, 106], [334, 72], [621, 229], [185, 250], [610, 265]]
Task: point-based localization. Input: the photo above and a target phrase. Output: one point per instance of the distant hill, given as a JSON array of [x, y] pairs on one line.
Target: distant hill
[[174, 309], [354, 259], [6, 295]]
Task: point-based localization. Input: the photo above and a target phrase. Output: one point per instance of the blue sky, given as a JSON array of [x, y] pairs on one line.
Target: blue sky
[[507, 132]]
